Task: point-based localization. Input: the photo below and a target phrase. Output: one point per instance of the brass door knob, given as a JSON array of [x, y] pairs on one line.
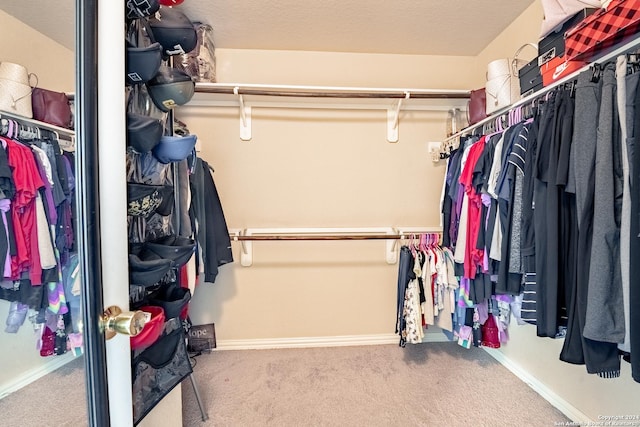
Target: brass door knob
[[115, 321]]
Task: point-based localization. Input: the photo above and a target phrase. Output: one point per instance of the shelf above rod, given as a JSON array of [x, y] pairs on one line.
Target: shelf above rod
[[42, 125], [328, 91], [393, 101], [603, 57]]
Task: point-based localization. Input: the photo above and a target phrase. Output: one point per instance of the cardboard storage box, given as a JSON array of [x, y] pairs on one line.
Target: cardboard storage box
[[557, 68], [604, 29], [553, 45], [530, 77]]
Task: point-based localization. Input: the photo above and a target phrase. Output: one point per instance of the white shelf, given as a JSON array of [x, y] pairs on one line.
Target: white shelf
[[392, 100], [69, 133], [600, 58]]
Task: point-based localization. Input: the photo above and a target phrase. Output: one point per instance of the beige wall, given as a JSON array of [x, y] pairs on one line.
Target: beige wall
[[318, 168], [525, 29], [324, 168], [51, 62], [343, 69], [54, 66], [334, 168]]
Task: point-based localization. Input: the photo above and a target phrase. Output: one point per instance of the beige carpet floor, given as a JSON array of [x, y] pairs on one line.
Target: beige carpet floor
[[57, 399], [432, 384]]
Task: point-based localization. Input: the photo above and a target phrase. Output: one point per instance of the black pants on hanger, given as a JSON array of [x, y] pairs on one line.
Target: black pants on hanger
[[546, 222], [634, 285]]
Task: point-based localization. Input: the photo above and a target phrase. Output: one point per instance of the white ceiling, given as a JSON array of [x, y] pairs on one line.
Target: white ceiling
[[427, 27]]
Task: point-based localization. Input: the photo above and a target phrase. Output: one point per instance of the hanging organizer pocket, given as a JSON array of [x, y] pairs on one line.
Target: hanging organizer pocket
[[158, 369]]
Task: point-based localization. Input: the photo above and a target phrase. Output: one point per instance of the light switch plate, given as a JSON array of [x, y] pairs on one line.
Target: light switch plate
[[434, 150]]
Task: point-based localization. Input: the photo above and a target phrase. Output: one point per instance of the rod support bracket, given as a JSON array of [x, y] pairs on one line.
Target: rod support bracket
[[391, 248], [245, 116], [393, 117], [246, 256]]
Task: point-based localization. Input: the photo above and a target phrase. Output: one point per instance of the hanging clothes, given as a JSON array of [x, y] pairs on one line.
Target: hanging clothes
[[23, 211], [605, 314], [559, 221], [626, 127], [509, 275], [546, 220], [427, 291], [31, 196], [633, 106], [208, 222], [472, 255]]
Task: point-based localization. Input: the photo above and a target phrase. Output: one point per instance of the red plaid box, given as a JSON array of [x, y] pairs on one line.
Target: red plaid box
[[604, 29]]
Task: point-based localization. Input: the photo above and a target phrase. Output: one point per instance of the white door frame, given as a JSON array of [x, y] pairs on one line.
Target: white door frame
[[102, 221], [113, 198]]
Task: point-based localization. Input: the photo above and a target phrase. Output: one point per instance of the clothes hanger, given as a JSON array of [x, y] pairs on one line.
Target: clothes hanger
[[633, 63], [492, 126], [13, 129], [436, 239], [497, 129], [410, 244], [33, 132], [27, 132], [487, 127], [4, 127], [414, 245], [504, 120], [528, 119], [522, 117], [406, 240], [423, 242], [596, 72]]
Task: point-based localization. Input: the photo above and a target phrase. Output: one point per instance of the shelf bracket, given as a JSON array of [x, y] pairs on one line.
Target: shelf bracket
[[246, 256], [393, 116], [391, 253], [245, 117]]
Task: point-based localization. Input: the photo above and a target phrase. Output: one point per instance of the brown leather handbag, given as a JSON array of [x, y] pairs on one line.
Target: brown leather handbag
[[51, 107], [477, 107]]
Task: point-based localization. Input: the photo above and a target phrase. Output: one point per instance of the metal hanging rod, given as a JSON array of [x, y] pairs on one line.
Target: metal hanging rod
[[391, 235], [275, 237], [329, 91]]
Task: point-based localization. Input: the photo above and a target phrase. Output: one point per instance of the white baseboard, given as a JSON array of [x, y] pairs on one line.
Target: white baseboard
[[573, 413], [34, 374], [307, 342]]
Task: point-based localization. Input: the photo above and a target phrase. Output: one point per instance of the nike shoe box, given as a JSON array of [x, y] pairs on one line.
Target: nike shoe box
[[557, 68]]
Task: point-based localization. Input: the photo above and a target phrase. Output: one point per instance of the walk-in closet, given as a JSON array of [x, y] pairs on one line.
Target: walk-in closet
[[319, 213]]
